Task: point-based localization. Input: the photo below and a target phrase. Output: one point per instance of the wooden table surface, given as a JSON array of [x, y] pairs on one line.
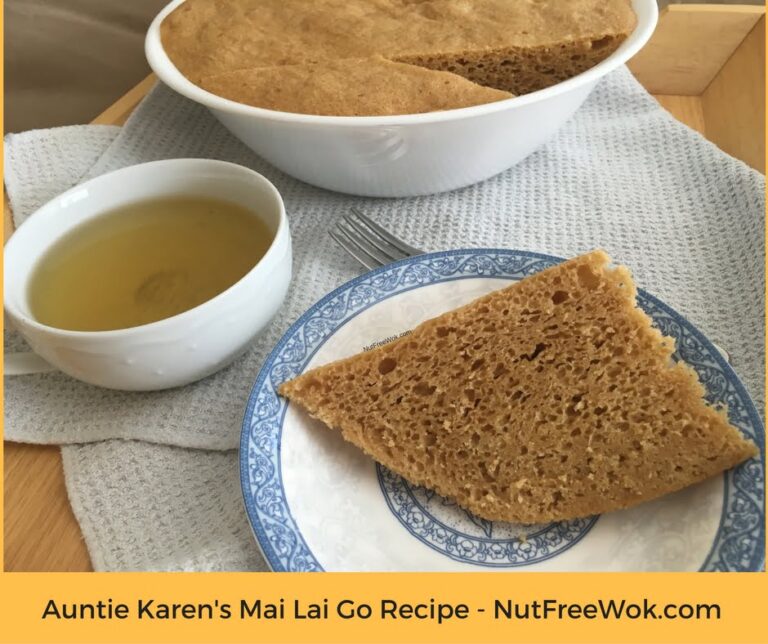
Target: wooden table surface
[[41, 533]]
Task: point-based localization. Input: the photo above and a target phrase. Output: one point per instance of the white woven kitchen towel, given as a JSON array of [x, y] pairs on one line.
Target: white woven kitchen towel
[[622, 175], [143, 506]]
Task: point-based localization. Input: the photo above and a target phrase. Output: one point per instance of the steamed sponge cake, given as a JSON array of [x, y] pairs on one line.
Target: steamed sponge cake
[[315, 88], [516, 46], [551, 399]]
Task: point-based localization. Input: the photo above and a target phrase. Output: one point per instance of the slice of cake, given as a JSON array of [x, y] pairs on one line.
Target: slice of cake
[[551, 399], [315, 88]]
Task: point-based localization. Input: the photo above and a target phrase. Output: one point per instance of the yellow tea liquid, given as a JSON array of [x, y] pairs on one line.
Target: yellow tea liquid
[[145, 262]]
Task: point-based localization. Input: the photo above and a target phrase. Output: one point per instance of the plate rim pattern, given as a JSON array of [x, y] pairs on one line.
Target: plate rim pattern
[[548, 541], [269, 515]]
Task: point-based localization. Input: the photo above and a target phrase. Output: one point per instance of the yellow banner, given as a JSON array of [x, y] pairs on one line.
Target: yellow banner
[[240, 607]]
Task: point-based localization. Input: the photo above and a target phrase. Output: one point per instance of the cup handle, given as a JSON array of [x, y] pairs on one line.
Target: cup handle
[[25, 363]]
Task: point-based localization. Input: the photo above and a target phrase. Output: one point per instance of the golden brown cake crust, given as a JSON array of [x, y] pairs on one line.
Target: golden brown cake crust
[[551, 399], [512, 45], [315, 88]]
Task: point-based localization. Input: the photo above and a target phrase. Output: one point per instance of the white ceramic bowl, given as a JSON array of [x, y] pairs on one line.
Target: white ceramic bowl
[[402, 156], [179, 349]]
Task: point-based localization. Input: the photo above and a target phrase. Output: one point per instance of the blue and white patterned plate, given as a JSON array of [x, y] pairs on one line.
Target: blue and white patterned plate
[[316, 502]]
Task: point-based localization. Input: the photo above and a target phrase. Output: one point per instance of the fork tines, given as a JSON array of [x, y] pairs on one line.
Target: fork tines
[[369, 243]]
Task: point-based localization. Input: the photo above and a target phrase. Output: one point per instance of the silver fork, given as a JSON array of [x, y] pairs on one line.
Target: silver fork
[[368, 243], [373, 246]]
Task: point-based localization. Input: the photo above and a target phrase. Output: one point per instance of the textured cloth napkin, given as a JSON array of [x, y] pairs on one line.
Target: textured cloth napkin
[[148, 490]]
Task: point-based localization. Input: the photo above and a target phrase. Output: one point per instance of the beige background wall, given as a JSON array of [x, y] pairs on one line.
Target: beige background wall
[[66, 60]]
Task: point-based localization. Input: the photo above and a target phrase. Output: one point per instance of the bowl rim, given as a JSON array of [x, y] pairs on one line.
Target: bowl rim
[[647, 13], [15, 313]]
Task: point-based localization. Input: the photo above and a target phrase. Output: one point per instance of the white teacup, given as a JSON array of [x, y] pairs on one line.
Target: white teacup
[[177, 350]]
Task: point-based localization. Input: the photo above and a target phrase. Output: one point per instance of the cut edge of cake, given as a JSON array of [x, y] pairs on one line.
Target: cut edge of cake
[[321, 88]]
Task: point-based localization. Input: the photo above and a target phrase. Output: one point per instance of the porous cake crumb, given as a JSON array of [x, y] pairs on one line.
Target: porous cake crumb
[[325, 88], [552, 399]]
